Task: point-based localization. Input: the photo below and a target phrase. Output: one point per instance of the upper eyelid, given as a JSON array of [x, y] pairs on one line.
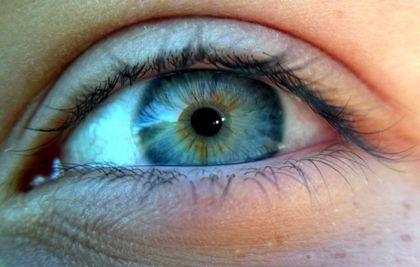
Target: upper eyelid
[[294, 52], [123, 62], [90, 85], [184, 60], [127, 75]]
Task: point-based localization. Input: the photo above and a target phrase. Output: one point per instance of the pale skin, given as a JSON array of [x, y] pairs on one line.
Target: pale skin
[[374, 224]]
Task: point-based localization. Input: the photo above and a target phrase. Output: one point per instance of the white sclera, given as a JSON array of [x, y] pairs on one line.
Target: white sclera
[[108, 134]]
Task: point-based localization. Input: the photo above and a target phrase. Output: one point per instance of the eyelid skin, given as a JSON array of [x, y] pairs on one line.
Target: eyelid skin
[[132, 48]]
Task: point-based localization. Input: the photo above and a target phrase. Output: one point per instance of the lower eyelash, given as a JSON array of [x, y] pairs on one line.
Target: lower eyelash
[[339, 158]]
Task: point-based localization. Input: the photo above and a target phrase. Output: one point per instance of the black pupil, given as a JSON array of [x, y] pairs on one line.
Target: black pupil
[[206, 121]]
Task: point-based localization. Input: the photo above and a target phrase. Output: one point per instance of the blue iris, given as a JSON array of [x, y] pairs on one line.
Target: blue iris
[[208, 118]]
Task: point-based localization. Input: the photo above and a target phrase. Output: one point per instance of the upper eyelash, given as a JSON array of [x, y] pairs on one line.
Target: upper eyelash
[[339, 117]]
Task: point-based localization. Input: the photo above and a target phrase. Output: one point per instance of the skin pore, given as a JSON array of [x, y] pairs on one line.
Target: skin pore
[[373, 224]]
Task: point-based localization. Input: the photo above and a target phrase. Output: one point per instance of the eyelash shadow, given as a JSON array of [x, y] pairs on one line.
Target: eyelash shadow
[[272, 68]]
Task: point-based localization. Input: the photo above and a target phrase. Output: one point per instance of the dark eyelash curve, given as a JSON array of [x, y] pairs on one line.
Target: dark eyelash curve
[[271, 68]]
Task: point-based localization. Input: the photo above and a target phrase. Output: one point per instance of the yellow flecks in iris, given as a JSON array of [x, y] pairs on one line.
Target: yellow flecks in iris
[[202, 150], [190, 144], [183, 133], [233, 105], [221, 148], [216, 99]]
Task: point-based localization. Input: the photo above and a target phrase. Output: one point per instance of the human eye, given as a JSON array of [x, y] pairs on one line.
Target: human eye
[[193, 140], [199, 101]]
